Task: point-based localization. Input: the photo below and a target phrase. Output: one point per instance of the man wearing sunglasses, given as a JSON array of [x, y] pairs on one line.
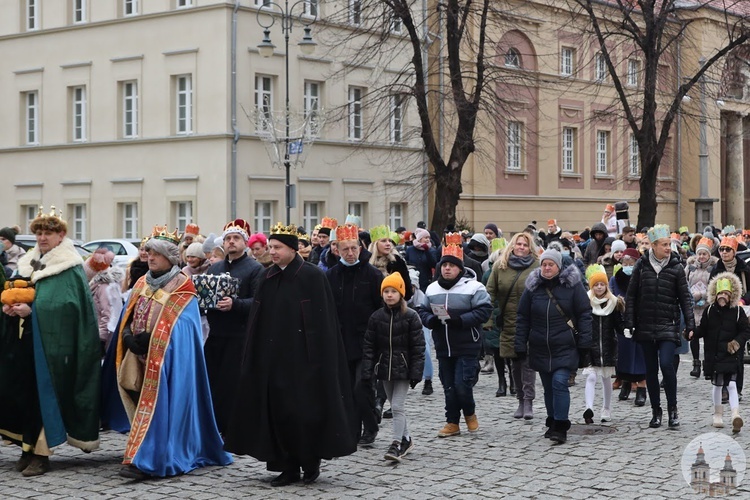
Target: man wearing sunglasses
[[728, 261]]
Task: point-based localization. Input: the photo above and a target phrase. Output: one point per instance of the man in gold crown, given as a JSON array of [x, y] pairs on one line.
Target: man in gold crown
[[293, 419], [49, 359], [161, 372]]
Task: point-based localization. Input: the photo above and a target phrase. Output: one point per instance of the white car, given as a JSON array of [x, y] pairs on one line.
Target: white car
[[124, 250]]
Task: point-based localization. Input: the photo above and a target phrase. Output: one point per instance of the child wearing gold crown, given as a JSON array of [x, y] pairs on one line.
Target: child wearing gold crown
[[725, 330]]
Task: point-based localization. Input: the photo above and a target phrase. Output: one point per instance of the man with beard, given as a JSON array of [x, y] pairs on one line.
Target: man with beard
[[292, 419]]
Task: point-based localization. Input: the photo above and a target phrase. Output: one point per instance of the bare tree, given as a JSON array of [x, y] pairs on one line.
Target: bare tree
[[655, 28]]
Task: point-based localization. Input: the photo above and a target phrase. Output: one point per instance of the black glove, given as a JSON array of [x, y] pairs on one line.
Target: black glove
[[434, 323], [413, 383], [137, 344], [584, 358], [454, 322], [521, 356]]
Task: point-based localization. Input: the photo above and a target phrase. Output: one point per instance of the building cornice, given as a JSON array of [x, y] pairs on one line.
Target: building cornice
[[126, 58], [357, 181], [29, 184], [78, 182], [179, 52], [266, 178], [180, 178], [80, 64], [29, 70], [127, 180], [314, 179]]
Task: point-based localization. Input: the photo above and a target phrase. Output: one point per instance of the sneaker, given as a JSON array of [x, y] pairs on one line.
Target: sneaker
[[393, 453], [606, 415], [449, 430], [588, 416], [472, 423], [367, 438], [406, 445], [427, 389], [39, 465]]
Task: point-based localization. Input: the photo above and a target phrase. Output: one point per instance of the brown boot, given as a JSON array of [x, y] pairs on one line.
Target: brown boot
[[39, 465], [24, 461]]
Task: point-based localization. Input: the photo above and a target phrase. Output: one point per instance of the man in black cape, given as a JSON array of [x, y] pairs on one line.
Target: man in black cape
[[292, 419]]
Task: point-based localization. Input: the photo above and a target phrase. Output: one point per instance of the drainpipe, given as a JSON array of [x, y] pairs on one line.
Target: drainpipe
[[235, 130]]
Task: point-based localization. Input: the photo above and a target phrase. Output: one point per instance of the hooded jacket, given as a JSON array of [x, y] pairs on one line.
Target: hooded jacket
[[542, 332], [720, 325], [594, 247], [742, 272]]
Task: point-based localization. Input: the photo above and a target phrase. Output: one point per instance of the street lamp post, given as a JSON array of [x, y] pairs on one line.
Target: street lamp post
[[266, 48]]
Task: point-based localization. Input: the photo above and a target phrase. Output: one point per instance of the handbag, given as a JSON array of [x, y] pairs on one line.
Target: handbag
[[130, 376], [562, 313]]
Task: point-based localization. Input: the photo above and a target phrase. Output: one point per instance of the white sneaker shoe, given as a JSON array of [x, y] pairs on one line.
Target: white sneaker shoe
[[606, 415]]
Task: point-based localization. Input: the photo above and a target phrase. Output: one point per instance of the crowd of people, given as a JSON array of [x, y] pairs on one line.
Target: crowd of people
[[187, 349]]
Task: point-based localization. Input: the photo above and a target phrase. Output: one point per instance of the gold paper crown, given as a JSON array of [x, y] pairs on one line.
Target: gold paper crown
[[304, 237], [330, 222], [453, 238], [380, 232], [453, 250], [344, 233], [280, 228], [162, 233]]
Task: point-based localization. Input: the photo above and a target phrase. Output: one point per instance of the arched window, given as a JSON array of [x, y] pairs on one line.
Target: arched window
[[512, 58]]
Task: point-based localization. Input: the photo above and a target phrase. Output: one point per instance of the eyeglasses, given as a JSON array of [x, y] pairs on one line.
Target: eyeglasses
[[725, 249]]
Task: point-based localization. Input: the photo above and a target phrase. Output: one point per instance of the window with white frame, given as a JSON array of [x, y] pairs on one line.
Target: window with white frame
[[130, 7], [129, 109], [396, 24], [396, 213], [129, 221], [32, 15], [78, 112], [515, 135], [78, 213], [397, 118], [634, 68], [567, 61], [569, 149], [184, 3], [31, 117], [512, 58], [28, 214], [311, 8], [263, 216], [263, 3], [600, 67], [357, 208], [311, 102], [311, 214], [355, 12], [79, 11], [602, 152], [355, 113], [183, 214], [183, 104], [634, 157], [263, 100]]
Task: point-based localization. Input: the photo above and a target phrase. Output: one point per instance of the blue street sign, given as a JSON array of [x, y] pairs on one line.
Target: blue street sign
[[295, 147]]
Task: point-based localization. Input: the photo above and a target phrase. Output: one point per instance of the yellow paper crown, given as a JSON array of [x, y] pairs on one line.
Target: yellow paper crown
[[453, 250], [347, 233], [280, 228], [453, 239], [658, 232], [162, 233], [395, 238], [723, 285], [380, 232], [594, 268], [330, 222]]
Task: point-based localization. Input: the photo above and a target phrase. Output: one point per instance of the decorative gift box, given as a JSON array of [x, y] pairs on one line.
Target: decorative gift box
[[211, 288]]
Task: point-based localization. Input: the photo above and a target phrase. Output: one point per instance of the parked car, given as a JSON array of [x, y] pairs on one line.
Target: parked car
[[28, 241], [124, 250]]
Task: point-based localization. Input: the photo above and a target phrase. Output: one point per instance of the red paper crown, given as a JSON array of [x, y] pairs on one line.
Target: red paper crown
[[453, 250], [347, 233], [192, 229], [709, 242], [453, 239], [729, 241], [330, 222]]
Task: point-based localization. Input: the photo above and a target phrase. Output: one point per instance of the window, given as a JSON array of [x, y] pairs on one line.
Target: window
[[602, 152], [567, 61], [183, 214], [355, 113], [32, 15], [357, 208], [263, 216], [263, 3], [31, 120], [395, 23], [78, 212], [311, 8], [355, 12], [78, 113], [263, 100], [28, 214], [129, 220], [634, 158], [311, 214], [633, 70], [396, 215], [184, 104], [129, 109], [130, 7], [513, 161], [568, 150], [184, 3], [600, 67], [397, 118], [79, 11], [512, 59], [312, 107]]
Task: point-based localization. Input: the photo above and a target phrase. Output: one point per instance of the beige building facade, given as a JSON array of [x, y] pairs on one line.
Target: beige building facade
[[120, 113]]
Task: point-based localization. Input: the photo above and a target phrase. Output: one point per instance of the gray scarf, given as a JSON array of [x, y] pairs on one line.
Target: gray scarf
[[155, 283], [657, 264]]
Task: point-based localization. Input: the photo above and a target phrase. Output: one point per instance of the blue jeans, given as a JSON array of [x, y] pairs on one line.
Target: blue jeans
[[556, 393], [458, 376], [658, 354], [427, 373]]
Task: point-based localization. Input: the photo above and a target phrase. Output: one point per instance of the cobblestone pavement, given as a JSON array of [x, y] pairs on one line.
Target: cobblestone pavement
[[507, 458]]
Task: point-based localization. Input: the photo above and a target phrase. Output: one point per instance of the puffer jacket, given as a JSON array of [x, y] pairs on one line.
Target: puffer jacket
[[697, 272], [467, 299], [654, 302], [604, 331], [393, 348], [542, 332], [742, 271], [721, 325]]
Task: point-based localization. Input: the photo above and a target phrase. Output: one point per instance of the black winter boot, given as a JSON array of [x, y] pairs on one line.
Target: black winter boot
[[625, 389], [696, 371], [656, 418], [560, 433], [549, 423], [640, 396], [674, 421]]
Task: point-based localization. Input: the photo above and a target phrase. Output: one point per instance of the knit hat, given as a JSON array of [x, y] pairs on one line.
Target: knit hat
[[421, 233], [632, 253], [210, 243], [257, 238], [195, 250], [706, 244], [552, 255], [396, 281], [9, 233], [492, 227], [596, 274], [618, 246]]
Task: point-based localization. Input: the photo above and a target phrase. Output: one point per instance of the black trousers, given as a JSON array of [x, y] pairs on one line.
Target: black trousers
[[364, 397]]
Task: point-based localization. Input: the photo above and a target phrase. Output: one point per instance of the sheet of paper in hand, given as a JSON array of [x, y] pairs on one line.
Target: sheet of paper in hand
[[440, 311], [211, 288]]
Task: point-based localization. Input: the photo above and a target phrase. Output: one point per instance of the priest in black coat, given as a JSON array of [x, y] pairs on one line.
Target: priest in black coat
[[293, 418]]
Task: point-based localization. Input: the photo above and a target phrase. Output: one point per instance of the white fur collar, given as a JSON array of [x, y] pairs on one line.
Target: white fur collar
[[59, 259]]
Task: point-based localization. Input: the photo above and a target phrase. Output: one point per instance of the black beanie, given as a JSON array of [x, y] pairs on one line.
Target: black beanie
[[453, 260], [9, 234], [289, 240]]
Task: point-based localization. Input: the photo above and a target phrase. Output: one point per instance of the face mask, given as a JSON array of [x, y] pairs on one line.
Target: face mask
[[627, 270], [566, 253]]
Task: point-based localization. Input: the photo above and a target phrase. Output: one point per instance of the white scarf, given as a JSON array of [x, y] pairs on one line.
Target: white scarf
[[609, 303], [657, 264]]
